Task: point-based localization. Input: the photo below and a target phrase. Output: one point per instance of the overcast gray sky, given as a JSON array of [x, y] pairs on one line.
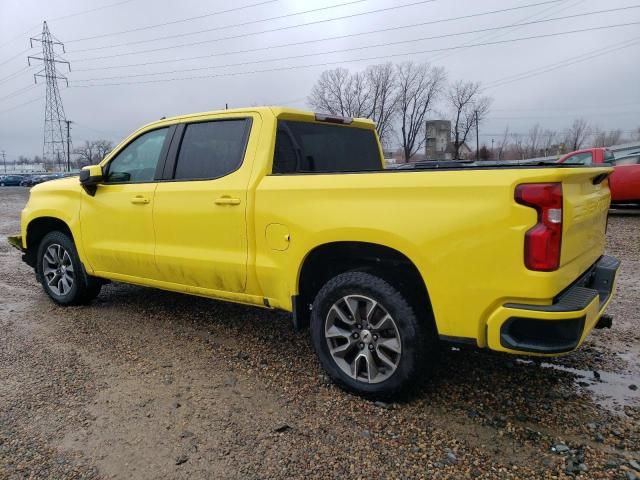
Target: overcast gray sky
[[603, 88]]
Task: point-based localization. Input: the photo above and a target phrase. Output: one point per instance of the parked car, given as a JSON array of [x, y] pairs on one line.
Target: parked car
[[624, 181], [10, 180], [26, 180], [631, 159], [291, 210], [39, 178]]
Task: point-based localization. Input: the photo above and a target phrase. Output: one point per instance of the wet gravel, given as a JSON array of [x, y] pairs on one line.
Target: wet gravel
[[150, 384]]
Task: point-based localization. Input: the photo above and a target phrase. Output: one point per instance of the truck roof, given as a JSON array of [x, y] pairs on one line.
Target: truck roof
[[285, 113]]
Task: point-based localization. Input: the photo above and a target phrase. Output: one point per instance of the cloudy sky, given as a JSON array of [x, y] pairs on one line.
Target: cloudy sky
[[133, 61]]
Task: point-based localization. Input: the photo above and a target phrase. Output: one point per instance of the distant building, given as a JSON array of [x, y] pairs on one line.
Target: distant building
[[438, 145], [438, 140]]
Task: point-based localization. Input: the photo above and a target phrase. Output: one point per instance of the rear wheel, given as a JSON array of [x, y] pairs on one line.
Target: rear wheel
[[61, 272], [368, 337]]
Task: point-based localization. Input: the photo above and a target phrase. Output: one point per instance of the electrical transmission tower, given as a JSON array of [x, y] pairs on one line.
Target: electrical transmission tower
[[56, 145]]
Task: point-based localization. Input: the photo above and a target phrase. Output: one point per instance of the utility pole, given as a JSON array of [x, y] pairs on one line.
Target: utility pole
[[4, 160], [477, 138], [68, 122], [54, 146], [492, 148]]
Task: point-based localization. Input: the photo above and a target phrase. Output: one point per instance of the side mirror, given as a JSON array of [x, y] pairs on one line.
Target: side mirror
[[90, 177]]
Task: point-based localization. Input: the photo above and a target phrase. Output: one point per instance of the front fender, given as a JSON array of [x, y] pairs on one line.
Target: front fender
[[57, 200]]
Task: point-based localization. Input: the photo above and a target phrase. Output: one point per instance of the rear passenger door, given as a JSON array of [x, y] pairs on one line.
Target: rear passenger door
[[200, 206]]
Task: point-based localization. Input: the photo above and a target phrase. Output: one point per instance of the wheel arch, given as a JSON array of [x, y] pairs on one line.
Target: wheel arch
[[37, 229], [327, 260]]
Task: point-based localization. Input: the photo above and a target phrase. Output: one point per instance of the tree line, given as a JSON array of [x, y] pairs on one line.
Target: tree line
[[89, 153], [545, 142], [400, 98]]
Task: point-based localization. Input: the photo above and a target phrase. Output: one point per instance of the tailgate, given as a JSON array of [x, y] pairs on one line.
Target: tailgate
[[586, 203]]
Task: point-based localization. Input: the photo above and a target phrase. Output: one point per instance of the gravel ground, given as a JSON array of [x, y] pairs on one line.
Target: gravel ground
[[150, 384]]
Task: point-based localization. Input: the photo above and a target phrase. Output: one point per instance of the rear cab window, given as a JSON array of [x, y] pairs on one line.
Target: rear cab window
[[307, 147]]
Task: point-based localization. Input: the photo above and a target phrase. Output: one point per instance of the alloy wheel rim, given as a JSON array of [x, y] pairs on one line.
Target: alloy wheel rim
[[363, 339], [57, 269]]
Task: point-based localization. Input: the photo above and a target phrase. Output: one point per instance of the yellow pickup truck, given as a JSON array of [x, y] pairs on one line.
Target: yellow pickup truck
[[292, 210]]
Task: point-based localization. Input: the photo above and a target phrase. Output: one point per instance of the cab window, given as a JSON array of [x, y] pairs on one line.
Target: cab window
[[581, 159], [137, 162], [211, 149], [631, 160]]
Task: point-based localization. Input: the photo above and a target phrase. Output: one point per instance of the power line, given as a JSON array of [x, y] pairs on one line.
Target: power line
[[15, 74], [543, 134], [103, 132], [21, 104], [225, 27], [19, 54], [26, 32], [546, 116], [338, 37], [174, 22], [351, 49], [563, 108], [91, 10], [563, 63], [490, 36], [288, 27], [379, 57], [20, 91]]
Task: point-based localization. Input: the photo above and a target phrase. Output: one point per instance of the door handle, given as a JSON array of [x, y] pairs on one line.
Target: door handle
[[226, 200], [140, 200]]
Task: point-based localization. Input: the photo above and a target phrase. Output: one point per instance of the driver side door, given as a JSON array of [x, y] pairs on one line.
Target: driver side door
[[117, 222]]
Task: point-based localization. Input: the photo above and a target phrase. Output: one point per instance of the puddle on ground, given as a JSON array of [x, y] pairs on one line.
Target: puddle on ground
[[610, 390]]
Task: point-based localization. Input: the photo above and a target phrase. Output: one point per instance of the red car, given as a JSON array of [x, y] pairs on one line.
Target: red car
[[624, 182]]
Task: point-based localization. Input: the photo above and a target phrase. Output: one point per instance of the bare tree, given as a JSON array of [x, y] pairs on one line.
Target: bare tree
[[518, 146], [85, 154], [576, 135], [503, 143], [532, 142], [329, 92], [102, 148], [468, 107], [419, 86], [92, 152], [602, 138], [549, 140], [340, 93], [369, 94], [382, 87]]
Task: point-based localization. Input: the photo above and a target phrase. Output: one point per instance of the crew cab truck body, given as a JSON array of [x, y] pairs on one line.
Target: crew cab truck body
[[624, 182], [285, 209]]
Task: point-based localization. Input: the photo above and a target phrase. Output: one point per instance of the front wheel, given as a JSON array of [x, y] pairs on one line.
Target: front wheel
[[61, 272], [368, 337]]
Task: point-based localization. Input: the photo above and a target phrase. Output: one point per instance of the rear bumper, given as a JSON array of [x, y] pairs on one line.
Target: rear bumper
[[561, 326]]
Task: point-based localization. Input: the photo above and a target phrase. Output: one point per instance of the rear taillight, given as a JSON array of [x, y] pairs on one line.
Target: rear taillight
[[542, 242]]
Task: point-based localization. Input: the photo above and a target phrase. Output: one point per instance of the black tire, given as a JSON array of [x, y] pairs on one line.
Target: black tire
[[417, 339], [83, 289]]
